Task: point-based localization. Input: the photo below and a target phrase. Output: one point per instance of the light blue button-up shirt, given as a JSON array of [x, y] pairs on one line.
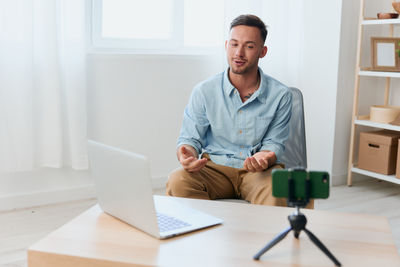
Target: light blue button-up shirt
[[217, 122]]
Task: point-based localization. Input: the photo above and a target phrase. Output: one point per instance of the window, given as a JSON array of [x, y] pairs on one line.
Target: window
[[157, 25]]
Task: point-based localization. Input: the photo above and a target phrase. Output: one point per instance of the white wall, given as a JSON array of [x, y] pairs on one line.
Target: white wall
[[318, 71], [344, 99], [303, 52], [285, 24], [136, 102], [43, 186]]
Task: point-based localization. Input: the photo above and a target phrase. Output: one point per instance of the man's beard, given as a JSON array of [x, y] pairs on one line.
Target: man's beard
[[239, 70]]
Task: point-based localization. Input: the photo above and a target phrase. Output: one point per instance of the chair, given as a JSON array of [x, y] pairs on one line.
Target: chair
[[295, 154]]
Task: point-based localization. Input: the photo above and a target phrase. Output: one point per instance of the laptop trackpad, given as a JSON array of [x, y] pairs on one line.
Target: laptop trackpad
[[194, 218]]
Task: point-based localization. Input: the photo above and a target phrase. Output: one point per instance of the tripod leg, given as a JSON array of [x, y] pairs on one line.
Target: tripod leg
[[272, 243], [319, 244], [296, 234]]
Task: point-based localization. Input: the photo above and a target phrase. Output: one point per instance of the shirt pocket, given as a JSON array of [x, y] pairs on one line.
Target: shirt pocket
[[219, 128], [261, 127]]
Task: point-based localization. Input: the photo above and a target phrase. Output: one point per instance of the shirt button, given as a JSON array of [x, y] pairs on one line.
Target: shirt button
[[241, 153], [240, 111], [240, 131], [241, 147]]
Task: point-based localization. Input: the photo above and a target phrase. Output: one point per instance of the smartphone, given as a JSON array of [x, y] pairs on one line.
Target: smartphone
[[319, 183]]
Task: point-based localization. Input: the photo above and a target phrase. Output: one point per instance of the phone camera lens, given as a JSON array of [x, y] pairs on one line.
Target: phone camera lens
[[325, 178]]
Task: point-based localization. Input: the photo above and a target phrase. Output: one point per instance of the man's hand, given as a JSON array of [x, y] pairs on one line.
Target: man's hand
[[188, 158], [260, 161]]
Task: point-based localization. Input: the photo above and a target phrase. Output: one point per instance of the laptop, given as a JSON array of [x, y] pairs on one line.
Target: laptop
[[123, 188]]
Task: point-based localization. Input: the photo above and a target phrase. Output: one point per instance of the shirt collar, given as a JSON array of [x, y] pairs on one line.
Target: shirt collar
[[228, 87], [262, 90]]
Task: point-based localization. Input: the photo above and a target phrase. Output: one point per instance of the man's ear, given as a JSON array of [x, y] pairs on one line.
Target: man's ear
[[226, 44], [264, 52]]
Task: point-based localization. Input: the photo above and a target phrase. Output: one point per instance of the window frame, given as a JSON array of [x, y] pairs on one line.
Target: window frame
[[175, 45]]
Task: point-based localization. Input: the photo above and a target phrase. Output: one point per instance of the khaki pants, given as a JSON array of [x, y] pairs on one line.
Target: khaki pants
[[220, 182]]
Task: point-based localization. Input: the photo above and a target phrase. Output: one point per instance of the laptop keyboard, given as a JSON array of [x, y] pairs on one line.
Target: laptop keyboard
[[168, 223]]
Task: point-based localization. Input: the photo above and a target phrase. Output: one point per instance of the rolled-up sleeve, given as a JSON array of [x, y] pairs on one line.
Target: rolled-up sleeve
[[278, 131], [195, 123]]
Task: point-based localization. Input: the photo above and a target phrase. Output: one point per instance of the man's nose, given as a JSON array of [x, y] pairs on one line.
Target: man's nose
[[239, 51]]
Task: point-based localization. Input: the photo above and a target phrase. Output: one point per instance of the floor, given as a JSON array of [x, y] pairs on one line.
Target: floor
[[22, 228]]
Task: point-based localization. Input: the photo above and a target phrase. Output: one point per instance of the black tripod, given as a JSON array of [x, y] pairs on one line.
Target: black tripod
[[297, 223]]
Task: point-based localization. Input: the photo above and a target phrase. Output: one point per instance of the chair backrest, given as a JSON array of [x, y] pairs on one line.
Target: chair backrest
[[295, 154]]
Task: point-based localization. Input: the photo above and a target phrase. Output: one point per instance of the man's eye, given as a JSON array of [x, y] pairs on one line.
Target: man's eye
[[234, 45], [250, 46]]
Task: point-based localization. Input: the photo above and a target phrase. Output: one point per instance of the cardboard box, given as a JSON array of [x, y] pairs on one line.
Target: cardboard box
[[398, 161], [378, 151]]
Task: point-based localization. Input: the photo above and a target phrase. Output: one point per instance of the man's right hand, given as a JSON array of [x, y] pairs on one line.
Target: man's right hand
[[188, 158]]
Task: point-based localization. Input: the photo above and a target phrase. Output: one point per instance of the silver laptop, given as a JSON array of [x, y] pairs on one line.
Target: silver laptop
[[124, 190]]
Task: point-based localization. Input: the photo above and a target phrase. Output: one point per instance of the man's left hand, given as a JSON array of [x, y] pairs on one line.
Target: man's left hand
[[260, 161]]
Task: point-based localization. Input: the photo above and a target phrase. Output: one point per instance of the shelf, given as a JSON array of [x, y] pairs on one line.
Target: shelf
[[391, 74], [369, 71], [388, 178], [380, 21], [366, 122]]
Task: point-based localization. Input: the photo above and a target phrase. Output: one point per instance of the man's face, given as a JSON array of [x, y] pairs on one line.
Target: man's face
[[244, 48]]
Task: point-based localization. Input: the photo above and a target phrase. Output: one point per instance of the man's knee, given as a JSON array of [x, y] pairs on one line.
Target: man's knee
[[259, 188], [180, 183], [174, 182]]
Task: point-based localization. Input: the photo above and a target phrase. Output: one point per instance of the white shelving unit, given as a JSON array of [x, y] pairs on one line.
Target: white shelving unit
[[368, 123], [386, 74], [388, 178], [357, 119], [379, 21]]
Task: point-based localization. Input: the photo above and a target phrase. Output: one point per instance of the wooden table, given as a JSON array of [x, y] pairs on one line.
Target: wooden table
[[97, 239]]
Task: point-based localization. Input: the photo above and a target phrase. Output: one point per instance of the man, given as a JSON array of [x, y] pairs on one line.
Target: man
[[235, 126]]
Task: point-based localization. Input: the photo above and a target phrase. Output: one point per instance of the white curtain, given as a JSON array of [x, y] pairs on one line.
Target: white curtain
[[42, 84]]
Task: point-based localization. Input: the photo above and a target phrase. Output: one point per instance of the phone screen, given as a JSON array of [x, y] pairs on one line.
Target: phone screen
[[319, 187]]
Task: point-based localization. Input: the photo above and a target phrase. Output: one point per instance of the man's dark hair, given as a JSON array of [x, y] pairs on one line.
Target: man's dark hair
[[253, 21]]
